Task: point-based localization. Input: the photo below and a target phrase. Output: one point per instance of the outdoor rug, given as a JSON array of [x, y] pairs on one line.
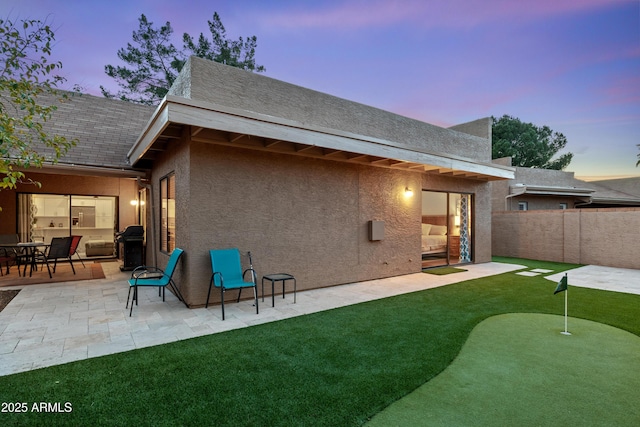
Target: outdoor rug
[[92, 270]]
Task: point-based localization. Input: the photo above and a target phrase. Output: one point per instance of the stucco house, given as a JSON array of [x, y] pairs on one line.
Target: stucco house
[[542, 189], [326, 189]]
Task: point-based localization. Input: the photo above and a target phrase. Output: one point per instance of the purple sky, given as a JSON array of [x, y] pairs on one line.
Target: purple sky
[[573, 65]]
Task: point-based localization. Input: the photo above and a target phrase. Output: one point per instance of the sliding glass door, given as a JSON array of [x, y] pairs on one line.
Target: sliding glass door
[[446, 228], [44, 216]]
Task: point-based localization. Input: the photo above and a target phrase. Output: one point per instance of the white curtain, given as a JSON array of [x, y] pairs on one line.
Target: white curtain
[[26, 213]]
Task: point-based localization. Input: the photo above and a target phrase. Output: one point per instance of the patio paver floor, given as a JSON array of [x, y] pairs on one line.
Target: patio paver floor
[[51, 324]]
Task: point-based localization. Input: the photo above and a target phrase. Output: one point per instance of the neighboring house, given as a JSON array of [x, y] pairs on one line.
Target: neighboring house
[[326, 189], [542, 189], [625, 185]]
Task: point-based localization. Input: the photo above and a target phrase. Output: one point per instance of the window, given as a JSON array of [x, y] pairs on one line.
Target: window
[[42, 217], [563, 206], [523, 206], [168, 213]]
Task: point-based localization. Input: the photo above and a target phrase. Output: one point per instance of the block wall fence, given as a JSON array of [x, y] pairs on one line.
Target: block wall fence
[[608, 236]]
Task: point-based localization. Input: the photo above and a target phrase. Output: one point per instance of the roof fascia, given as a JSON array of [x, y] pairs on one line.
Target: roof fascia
[[206, 115], [155, 126], [551, 191], [86, 170]]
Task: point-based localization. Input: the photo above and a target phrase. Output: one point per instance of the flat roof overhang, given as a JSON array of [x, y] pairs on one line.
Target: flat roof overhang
[[616, 201], [220, 125], [542, 190]]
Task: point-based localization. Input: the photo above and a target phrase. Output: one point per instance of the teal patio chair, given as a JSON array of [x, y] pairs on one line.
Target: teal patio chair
[[227, 274], [155, 277]]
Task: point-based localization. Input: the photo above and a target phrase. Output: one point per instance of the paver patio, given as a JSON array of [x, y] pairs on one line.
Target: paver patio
[[58, 323]]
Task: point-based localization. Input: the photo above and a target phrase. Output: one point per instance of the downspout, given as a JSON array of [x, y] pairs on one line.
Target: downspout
[[152, 235], [579, 205]]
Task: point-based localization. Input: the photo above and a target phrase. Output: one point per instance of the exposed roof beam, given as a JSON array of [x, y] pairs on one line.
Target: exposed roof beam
[[281, 134], [236, 138], [301, 148], [380, 162], [272, 143], [357, 157], [330, 152]]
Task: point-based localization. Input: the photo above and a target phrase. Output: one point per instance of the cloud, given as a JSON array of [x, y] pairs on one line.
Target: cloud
[[453, 14]]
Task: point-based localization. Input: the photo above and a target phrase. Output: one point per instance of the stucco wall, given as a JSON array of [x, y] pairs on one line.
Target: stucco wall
[[307, 217], [303, 216], [586, 236], [535, 202], [481, 128], [224, 85], [174, 160]]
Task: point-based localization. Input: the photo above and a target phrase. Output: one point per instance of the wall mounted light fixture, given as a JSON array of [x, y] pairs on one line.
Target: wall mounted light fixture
[[408, 192]]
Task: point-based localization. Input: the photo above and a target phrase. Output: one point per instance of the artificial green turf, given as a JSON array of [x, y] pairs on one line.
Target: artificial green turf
[[533, 263], [519, 370], [441, 271], [333, 368]]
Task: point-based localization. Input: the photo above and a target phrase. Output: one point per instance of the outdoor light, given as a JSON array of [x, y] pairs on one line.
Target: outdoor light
[[408, 192], [134, 203]]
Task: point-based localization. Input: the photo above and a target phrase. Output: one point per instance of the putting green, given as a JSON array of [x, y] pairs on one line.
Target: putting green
[[517, 369]]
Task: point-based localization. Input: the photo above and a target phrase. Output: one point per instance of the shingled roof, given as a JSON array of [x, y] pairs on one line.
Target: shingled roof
[[554, 182], [105, 129]]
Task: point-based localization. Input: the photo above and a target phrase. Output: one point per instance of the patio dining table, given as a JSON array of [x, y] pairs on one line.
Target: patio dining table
[[31, 249]]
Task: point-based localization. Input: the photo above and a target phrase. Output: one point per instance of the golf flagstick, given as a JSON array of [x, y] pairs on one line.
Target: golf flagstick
[[563, 287], [566, 293]]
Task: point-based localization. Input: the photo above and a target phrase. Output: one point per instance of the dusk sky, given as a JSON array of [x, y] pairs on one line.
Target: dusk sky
[[573, 65]]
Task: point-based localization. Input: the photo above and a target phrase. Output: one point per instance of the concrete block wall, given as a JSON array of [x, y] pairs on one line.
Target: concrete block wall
[[607, 237]]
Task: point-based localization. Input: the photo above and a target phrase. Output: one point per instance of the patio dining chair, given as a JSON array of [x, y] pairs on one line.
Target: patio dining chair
[[73, 250], [7, 257], [155, 277], [59, 249], [227, 274], [8, 253]]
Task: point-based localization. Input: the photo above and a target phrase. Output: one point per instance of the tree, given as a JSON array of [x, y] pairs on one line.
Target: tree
[[236, 53], [527, 144], [154, 62], [26, 74], [155, 65]]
